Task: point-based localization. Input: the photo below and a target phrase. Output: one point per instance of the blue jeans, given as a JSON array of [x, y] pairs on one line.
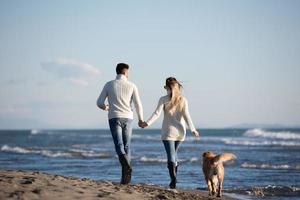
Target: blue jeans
[[171, 148], [121, 131]]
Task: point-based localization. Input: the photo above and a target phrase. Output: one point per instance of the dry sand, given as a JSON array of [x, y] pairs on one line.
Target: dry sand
[[17, 184]]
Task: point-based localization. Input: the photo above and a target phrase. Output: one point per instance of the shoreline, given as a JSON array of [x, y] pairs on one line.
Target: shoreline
[[19, 184]]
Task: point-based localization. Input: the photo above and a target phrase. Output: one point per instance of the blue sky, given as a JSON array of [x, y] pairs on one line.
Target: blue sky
[[238, 61]]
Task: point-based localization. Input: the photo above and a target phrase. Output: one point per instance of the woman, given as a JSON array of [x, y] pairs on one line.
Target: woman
[[176, 114]]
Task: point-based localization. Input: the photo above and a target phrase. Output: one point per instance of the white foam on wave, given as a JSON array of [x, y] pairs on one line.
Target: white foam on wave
[[285, 135], [194, 159], [49, 153], [90, 153], [35, 131], [14, 149], [23, 150], [260, 137], [55, 154], [269, 166], [265, 191], [256, 137], [149, 159], [163, 160], [259, 142]]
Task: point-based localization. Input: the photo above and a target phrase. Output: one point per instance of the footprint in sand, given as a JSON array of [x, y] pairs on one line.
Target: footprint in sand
[[27, 180], [16, 193], [37, 190], [103, 193]]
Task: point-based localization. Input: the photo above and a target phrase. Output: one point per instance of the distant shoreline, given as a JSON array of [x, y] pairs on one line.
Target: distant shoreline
[[38, 185]]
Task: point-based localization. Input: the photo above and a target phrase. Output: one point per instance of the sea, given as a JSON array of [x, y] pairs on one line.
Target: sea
[[267, 164]]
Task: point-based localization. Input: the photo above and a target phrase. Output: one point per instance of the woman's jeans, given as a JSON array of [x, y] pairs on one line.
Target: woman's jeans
[[121, 131], [171, 149]]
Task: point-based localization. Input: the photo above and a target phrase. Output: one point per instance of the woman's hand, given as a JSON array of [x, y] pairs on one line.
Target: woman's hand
[[142, 124], [197, 134]]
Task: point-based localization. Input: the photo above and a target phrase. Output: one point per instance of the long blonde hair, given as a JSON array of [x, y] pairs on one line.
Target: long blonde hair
[[177, 100]]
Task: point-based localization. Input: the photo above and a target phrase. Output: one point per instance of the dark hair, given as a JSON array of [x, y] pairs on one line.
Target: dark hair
[[120, 68]]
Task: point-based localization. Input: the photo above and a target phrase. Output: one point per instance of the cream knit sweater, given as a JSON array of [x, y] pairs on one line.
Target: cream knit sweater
[[120, 94], [173, 126]]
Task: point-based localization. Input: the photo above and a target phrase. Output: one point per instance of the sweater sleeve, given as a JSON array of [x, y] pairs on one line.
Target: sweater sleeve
[[102, 97], [156, 113], [137, 103], [187, 117]]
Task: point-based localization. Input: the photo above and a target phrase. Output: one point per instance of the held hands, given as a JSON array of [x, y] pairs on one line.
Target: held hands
[[142, 124]]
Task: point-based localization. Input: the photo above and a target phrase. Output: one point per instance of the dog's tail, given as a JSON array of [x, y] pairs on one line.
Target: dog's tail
[[224, 157]]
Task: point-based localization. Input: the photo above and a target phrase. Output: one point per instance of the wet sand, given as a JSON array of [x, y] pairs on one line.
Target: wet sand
[[17, 184]]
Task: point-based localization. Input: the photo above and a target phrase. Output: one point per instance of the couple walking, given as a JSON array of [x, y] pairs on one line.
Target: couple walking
[[120, 93]]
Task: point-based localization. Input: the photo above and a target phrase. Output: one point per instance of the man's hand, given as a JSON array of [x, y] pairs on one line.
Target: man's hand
[[104, 107], [142, 124]]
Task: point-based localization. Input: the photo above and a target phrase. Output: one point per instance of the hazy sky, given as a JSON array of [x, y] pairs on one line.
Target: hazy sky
[[239, 61]]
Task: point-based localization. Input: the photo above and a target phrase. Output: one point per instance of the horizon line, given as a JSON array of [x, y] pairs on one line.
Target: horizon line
[[77, 129]]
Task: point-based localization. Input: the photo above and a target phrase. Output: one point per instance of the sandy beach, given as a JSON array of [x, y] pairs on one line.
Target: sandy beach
[[17, 184]]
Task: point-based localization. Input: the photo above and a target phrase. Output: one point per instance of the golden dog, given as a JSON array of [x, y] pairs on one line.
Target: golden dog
[[213, 170]]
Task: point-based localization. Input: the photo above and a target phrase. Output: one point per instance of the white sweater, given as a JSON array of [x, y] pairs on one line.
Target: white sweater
[[120, 94], [173, 127]]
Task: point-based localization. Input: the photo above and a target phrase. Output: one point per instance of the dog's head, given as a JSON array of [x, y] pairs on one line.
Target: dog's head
[[208, 154]]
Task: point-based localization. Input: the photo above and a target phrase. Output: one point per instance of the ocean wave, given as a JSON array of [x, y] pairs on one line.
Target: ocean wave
[[164, 160], [270, 190], [270, 166], [146, 137], [194, 159], [35, 131], [242, 141], [150, 159], [285, 135], [15, 149], [48, 153], [23, 150], [90, 153]]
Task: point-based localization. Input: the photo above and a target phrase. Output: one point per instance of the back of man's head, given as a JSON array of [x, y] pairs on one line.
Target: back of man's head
[[121, 68]]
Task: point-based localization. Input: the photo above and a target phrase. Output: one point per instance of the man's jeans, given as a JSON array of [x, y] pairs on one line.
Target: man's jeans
[[171, 149], [121, 131]]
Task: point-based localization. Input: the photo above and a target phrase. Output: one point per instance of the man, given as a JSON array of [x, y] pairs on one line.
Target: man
[[120, 94]]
